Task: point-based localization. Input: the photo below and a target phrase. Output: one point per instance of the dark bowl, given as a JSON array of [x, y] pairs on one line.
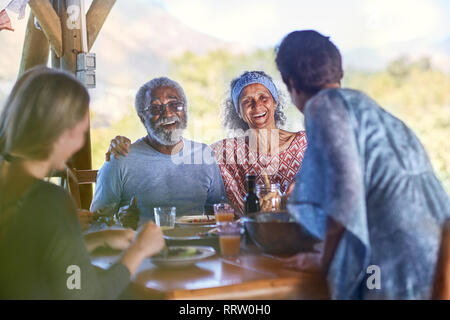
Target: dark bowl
[[277, 234]]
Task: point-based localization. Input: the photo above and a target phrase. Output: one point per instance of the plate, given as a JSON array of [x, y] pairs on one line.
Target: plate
[[198, 220], [191, 233], [202, 252]]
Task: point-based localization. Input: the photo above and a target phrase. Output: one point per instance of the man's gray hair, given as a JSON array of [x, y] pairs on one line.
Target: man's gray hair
[[153, 84]]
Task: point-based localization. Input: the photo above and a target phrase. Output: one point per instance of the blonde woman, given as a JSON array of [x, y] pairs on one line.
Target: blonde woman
[[42, 124]]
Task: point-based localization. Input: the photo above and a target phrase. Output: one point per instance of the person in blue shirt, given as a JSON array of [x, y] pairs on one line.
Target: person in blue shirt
[[366, 185]]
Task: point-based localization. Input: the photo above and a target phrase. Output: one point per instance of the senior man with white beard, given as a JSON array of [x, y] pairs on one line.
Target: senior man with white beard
[[163, 168]]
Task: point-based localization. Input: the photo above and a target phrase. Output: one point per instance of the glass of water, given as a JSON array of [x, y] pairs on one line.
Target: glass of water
[[165, 217]]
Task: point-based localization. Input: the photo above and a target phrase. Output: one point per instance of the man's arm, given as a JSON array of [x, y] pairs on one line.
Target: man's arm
[[109, 186], [343, 201], [332, 169]]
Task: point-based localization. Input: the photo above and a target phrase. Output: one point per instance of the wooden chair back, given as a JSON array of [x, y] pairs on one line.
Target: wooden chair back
[[75, 178], [441, 286]]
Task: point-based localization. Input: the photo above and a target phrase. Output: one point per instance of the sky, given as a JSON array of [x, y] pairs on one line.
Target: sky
[[350, 23]]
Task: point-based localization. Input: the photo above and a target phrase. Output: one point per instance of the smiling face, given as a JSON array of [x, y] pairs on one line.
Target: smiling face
[[166, 126], [257, 107]]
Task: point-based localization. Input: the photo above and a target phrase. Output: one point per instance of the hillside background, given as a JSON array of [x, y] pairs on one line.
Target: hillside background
[[410, 78]]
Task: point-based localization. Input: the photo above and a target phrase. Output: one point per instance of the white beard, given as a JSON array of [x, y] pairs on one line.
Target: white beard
[[163, 136]]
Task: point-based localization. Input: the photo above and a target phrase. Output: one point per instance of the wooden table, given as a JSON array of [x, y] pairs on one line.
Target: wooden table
[[250, 275]]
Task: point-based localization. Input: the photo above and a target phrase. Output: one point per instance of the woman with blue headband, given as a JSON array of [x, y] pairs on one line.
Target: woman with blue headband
[[254, 111]]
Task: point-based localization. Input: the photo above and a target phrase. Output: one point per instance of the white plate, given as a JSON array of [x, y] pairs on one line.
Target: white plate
[[188, 233], [199, 220], [203, 253]]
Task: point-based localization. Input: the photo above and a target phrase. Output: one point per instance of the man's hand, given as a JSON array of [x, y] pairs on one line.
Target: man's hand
[[120, 146]]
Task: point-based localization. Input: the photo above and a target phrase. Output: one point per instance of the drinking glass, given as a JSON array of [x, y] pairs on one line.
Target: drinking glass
[[230, 238], [223, 213], [165, 217], [269, 197]]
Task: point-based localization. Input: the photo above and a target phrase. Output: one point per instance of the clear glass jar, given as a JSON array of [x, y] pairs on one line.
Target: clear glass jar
[[269, 197]]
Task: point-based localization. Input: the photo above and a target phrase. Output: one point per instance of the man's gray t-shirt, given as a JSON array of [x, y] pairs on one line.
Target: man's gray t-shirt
[[189, 180]]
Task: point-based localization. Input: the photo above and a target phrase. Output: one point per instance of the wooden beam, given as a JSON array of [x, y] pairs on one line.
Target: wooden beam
[[49, 22], [35, 47], [95, 18]]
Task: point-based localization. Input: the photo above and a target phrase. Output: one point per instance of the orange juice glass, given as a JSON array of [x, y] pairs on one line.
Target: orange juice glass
[[223, 213], [230, 239]]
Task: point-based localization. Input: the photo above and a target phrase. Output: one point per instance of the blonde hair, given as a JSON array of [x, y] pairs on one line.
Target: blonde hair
[[41, 106]]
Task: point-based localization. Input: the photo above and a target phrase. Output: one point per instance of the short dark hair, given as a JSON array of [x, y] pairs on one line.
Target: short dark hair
[[308, 59]]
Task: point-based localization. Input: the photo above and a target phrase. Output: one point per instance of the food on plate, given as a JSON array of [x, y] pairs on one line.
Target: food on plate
[[188, 233], [197, 219], [179, 252]]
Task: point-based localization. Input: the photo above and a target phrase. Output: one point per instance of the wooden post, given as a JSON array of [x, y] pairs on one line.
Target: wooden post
[[56, 19], [35, 47], [71, 39]]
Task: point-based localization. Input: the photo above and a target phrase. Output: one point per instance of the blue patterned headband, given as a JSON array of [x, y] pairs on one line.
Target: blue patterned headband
[[250, 78]]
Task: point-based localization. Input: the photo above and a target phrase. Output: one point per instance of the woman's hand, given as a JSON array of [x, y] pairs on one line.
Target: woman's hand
[[286, 195], [289, 190], [148, 242], [120, 146], [114, 239], [150, 239], [118, 239], [310, 262]]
